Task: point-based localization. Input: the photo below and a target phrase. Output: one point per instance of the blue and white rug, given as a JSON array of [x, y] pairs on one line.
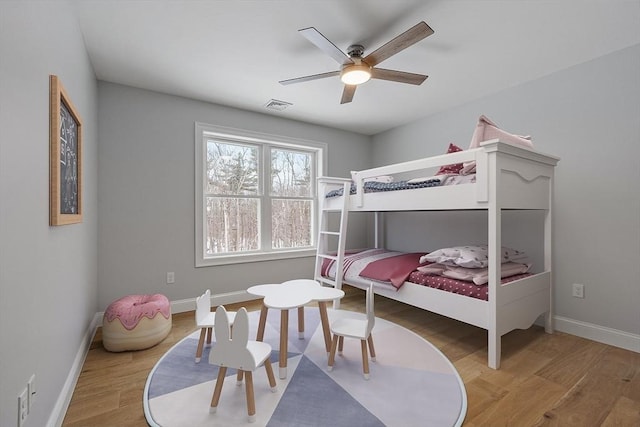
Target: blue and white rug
[[412, 383]]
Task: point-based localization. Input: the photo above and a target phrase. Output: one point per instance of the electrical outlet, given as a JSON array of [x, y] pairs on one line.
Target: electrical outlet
[[171, 277], [578, 290], [31, 389], [23, 407]]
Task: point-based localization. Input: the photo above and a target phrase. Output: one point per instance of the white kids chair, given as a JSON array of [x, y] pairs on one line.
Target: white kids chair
[[205, 320], [355, 328], [239, 353]]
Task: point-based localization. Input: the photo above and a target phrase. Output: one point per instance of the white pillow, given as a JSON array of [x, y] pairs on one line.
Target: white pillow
[[440, 178], [472, 256], [480, 276], [432, 269]]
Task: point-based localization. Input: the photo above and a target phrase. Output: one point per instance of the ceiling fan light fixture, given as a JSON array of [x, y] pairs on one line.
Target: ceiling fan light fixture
[[355, 74], [356, 68]]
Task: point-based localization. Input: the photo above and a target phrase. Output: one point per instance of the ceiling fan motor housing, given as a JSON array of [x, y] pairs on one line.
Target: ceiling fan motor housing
[[355, 51]]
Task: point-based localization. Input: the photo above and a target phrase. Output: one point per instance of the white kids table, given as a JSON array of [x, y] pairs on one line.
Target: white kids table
[[294, 294]]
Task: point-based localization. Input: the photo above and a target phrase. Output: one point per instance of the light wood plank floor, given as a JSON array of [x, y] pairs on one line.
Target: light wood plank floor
[[544, 380]]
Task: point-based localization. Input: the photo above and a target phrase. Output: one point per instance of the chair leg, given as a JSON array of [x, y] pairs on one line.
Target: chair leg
[[332, 353], [372, 350], [239, 377], [272, 378], [340, 345], [365, 359], [209, 335], [200, 344], [251, 401], [217, 390], [261, 324]]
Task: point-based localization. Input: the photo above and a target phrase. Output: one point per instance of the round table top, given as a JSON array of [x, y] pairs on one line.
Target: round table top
[[294, 293]]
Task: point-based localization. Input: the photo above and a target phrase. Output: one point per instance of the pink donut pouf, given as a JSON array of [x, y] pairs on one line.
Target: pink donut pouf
[[136, 322]]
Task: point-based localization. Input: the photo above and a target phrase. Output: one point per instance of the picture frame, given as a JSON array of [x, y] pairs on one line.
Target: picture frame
[[65, 157]]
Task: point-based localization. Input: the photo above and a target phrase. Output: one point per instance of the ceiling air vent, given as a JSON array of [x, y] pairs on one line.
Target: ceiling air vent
[[276, 105]]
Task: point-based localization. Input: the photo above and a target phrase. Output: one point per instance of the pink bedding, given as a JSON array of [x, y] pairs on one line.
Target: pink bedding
[[455, 286], [396, 268], [376, 264]]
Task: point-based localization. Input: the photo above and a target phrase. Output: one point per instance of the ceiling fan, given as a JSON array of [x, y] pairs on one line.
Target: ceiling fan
[[355, 69]]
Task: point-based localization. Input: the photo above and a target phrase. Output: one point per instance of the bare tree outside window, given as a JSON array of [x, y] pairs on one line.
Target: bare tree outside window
[[239, 186], [232, 217], [291, 214]]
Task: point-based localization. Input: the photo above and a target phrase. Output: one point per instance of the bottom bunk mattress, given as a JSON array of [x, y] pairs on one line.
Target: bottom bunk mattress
[[391, 269]]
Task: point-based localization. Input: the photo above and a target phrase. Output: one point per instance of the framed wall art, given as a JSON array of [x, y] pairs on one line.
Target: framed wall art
[[65, 156]]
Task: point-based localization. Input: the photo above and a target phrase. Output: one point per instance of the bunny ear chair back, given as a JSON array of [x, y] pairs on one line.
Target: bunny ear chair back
[[205, 320], [238, 352]]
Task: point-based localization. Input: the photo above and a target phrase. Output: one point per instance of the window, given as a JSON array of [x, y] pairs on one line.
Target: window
[[255, 196]]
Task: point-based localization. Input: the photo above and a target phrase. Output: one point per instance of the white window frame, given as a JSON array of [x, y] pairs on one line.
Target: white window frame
[[262, 139]]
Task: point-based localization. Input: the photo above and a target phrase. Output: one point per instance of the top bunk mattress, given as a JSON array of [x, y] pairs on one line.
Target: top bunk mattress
[[376, 186], [523, 180]]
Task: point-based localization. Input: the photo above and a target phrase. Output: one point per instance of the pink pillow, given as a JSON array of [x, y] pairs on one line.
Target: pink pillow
[[453, 168], [486, 130]]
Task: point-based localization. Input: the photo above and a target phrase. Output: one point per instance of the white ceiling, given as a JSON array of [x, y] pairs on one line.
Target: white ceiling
[[234, 52]]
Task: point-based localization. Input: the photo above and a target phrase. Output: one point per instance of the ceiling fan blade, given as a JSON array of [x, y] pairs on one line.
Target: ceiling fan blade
[[309, 78], [398, 76], [323, 43], [347, 93], [403, 41]]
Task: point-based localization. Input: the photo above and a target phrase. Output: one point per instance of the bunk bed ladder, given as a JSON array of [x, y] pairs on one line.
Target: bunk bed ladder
[[331, 235]]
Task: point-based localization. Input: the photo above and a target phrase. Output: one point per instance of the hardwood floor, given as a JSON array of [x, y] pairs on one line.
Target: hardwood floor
[[544, 380]]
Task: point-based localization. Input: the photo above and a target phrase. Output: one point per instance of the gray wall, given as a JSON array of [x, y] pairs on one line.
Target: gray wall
[[48, 287], [139, 195], [588, 115], [146, 192]]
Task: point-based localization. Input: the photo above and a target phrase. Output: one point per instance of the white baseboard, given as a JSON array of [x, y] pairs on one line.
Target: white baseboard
[[598, 333], [180, 306], [64, 398], [189, 304], [586, 330]]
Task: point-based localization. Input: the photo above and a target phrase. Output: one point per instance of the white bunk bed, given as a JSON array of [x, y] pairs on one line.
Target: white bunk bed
[[508, 176]]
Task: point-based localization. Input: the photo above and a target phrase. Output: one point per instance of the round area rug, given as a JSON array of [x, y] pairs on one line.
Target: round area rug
[[412, 383]]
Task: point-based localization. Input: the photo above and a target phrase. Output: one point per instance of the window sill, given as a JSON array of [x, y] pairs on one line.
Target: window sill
[[256, 257]]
